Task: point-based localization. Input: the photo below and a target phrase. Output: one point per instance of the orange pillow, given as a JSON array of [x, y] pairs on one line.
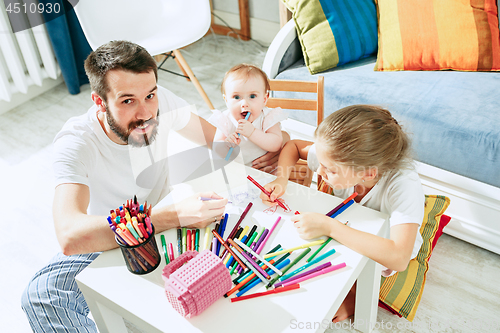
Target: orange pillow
[[438, 34]]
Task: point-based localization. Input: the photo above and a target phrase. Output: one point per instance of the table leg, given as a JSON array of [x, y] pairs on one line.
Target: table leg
[[367, 291], [107, 320]]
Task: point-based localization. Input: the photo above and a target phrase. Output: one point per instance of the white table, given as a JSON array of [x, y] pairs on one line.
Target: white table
[[113, 293]]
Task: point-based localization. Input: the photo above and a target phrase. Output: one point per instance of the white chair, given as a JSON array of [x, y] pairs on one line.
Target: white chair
[[160, 26]]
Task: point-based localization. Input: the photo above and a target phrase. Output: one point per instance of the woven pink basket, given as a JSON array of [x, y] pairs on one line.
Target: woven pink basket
[[194, 281]]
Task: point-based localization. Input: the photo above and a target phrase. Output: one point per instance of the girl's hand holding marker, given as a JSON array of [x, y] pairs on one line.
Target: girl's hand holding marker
[[266, 193], [276, 189]]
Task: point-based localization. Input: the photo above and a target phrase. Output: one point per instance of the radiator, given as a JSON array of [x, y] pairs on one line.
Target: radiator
[[26, 58]]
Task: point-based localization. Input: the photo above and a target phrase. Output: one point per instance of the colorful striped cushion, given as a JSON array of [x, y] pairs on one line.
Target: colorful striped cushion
[[438, 34], [334, 32], [402, 291]]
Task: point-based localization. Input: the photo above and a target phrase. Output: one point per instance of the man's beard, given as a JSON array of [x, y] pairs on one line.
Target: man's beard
[[124, 134]]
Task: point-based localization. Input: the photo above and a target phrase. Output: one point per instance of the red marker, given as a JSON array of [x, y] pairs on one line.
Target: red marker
[[265, 192], [273, 291]]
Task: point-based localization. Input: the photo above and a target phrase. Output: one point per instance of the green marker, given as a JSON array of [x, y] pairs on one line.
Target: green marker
[[197, 240], [132, 230], [249, 242], [234, 267], [184, 242], [309, 264], [256, 239], [287, 268], [318, 250], [164, 245]]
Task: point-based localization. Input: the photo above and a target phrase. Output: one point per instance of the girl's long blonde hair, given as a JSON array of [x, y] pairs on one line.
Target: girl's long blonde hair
[[365, 136]]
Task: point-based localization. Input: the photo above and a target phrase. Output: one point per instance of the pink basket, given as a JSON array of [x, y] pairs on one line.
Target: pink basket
[[193, 287]]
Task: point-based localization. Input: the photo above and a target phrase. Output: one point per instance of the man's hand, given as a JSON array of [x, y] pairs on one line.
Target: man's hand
[[267, 162], [196, 213]]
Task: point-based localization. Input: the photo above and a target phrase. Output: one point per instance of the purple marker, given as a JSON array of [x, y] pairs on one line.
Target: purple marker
[[208, 199], [320, 267], [117, 236], [261, 239], [255, 265], [214, 246], [253, 247], [263, 243]]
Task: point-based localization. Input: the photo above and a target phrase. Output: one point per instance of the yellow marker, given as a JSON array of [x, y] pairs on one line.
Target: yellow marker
[[243, 233], [303, 246], [207, 235], [136, 227], [122, 226]]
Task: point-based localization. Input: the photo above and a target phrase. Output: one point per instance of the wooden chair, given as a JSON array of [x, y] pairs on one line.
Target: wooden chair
[[301, 173]]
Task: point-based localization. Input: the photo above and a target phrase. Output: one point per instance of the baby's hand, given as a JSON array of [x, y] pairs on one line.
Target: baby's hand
[[233, 139], [245, 128]]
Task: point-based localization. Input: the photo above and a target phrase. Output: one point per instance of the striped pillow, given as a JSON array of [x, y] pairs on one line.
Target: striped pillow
[[402, 291], [438, 34], [334, 32]]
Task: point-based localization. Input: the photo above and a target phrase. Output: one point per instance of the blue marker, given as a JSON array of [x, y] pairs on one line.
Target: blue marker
[[256, 282], [231, 149], [342, 209], [222, 228]]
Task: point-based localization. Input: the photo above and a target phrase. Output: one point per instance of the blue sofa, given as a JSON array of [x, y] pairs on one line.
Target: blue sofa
[[453, 119]]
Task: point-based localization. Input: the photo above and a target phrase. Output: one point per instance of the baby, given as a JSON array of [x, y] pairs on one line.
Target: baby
[[245, 89]]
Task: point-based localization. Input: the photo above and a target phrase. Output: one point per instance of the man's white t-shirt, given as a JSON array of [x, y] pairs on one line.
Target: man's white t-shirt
[[84, 154], [398, 194]]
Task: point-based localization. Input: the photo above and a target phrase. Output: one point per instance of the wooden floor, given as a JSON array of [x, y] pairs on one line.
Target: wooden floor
[[462, 293]]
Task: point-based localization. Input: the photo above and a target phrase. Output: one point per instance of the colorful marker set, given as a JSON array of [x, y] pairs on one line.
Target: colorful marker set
[[240, 252], [290, 281], [187, 240], [168, 250], [134, 232], [131, 222], [342, 206]]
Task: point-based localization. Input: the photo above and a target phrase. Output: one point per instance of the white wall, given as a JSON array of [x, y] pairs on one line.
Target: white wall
[[264, 17]]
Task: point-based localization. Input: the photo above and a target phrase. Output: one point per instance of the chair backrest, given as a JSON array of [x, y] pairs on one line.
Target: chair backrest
[[316, 87], [158, 25], [301, 173]]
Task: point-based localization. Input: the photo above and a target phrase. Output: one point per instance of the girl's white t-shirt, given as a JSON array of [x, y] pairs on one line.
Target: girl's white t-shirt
[[84, 154], [398, 194]]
